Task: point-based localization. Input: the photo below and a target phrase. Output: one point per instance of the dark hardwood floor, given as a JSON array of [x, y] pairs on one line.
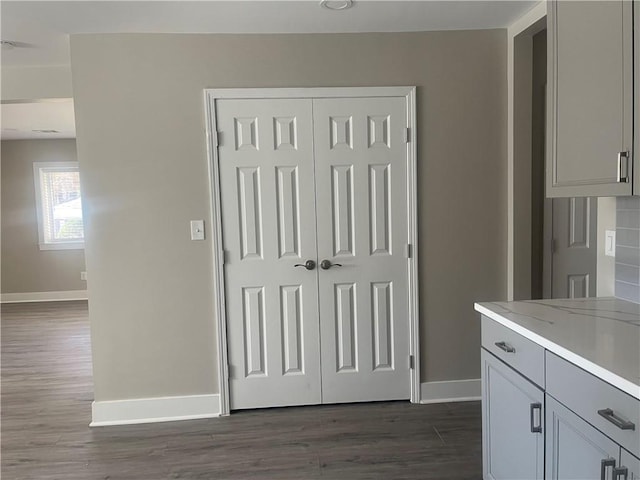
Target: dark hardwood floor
[[46, 410]]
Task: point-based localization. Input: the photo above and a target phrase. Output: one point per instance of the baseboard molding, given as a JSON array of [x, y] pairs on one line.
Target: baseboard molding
[[43, 296], [152, 410], [451, 391]]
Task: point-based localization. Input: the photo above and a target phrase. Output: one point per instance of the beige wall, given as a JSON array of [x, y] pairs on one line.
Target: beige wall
[[36, 82], [26, 268], [141, 145], [522, 151]]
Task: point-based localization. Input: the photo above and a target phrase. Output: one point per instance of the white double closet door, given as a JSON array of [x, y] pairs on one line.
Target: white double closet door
[[315, 180]]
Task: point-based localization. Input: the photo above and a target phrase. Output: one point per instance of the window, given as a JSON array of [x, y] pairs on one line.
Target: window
[[58, 205]]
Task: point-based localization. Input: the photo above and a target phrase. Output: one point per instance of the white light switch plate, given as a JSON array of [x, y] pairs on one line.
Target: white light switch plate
[[197, 229], [610, 243]]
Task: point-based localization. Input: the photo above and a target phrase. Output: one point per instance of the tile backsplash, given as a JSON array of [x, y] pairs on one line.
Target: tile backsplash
[[628, 248]]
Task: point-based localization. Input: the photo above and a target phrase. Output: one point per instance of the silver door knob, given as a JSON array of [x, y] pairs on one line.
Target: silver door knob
[[309, 265], [326, 264]]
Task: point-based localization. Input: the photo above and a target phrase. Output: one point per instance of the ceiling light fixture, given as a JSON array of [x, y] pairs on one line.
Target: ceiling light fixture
[[336, 4]]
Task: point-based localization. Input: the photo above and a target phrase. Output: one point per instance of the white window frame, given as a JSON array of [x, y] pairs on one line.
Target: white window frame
[[59, 245]]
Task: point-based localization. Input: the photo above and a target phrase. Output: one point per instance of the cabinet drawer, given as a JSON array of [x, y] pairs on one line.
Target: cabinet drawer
[[610, 410], [512, 348]]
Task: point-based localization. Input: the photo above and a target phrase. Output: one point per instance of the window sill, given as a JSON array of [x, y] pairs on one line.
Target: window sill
[[62, 246]]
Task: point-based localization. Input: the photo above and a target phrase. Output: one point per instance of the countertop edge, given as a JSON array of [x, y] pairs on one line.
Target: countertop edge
[[621, 383]]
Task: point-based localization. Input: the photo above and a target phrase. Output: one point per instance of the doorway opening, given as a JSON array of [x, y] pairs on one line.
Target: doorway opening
[[558, 244]]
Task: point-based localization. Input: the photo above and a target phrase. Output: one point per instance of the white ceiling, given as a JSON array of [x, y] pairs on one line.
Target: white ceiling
[[44, 26], [24, 120]]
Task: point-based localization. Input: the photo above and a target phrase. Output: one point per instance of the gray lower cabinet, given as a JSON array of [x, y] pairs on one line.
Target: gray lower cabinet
[[513, 417], [630, 465], [576, 450]]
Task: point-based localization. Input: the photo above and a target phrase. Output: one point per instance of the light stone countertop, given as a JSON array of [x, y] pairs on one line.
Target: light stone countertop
[[600, 335]]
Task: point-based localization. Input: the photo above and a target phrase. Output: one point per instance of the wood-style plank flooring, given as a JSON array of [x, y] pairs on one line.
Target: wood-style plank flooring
[[46, 410]]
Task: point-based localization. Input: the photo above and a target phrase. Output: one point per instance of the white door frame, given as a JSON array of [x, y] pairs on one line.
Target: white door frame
[[211, 96]]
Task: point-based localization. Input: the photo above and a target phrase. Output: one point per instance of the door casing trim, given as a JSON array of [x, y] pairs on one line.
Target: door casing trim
[[215, 220]]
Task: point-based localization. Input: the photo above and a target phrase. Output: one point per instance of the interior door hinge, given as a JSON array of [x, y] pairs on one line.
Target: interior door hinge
[[407, 135], [411, 366], [216, 138], [409, 251], [554, 245]]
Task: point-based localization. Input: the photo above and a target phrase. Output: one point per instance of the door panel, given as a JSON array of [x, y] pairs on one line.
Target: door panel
[[575, 449], [267, 192], [574, 255], [510, 449], [631, 463], [361, 197]]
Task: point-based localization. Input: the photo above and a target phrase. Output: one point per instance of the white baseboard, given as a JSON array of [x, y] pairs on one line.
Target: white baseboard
[[43, 296], [152, 410], [451, 391]]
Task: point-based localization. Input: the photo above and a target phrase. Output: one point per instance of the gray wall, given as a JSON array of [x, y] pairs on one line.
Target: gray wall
[[26, 268], [141, 145], [522, 165], [538, 127], [628, 248]]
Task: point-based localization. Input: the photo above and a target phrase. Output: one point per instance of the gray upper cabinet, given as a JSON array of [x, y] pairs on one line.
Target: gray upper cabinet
[[590, 99], [513, 418]]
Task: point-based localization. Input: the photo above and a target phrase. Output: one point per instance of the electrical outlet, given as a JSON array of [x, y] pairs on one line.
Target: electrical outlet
[[197, 229], [83, 276]]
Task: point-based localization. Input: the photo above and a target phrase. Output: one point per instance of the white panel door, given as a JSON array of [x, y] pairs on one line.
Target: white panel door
[[268, 215], [361, 197], [574, 247]]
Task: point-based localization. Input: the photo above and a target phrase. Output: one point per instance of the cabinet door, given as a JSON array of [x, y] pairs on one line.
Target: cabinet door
[[590, 111], [575, 450], [512, 420], [631, 463]]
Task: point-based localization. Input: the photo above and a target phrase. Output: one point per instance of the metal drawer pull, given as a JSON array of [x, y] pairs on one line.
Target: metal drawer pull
[[506, 347], [619, 422], [607, 462], [623, 178], [621, 472], [534, 428]]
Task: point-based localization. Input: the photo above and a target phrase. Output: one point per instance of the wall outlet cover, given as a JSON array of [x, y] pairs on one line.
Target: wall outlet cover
[[197, 229]]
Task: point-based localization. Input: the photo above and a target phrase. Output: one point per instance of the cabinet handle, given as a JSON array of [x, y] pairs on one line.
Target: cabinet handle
[[623, 178], [619, 422], [506, 347], [536, 428], [607, 462], [621, 472]]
